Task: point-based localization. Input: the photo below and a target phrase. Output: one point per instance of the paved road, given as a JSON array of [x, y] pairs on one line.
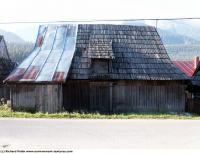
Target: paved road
[[83, 134]]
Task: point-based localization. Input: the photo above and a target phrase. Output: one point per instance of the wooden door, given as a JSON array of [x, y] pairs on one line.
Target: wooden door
[[76, 96], [100, 97]]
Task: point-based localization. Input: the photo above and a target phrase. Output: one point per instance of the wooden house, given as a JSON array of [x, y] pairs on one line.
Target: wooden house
[[193, 105], [98, 68], [192, 70], [6, 66]]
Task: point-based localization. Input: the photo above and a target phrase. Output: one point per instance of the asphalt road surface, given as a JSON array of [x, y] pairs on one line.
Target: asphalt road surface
[[71, 134]]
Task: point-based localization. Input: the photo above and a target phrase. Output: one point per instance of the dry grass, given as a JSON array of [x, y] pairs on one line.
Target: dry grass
[[6, 111]]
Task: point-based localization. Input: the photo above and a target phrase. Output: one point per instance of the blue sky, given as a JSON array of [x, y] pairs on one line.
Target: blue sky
[[50, 10]]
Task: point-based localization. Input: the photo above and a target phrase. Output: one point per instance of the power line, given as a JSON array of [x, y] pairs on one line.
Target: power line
[[95, 20]]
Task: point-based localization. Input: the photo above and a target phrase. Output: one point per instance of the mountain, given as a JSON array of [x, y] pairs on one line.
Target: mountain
[[169, 33], [11, 37], [19, 51], [17, 47], [170, 38], [188, 28]]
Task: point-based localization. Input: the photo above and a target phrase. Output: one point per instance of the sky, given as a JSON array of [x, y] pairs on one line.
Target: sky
[[55, 10]]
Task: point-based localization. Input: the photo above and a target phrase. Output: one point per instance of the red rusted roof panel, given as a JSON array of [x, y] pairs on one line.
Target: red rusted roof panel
[[16, 75], [186, 66], [58, 76], [31, 72]]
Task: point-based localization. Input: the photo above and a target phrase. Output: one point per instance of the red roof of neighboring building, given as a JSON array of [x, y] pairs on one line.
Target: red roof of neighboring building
[[186, 66]]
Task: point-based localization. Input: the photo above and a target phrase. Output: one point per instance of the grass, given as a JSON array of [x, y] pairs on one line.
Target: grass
[[6, 111]]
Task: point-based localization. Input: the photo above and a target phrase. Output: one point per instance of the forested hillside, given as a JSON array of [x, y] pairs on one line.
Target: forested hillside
[[183, 52], [19, 51], [11, 37]]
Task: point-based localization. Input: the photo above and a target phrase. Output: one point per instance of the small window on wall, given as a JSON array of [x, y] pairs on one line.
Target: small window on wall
[[99, 66]]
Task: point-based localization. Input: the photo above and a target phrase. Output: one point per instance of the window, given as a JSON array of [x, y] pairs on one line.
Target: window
[[100, 66]]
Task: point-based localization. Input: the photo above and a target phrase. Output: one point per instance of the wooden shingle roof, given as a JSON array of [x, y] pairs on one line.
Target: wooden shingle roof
[[137, 53], [100, 49]]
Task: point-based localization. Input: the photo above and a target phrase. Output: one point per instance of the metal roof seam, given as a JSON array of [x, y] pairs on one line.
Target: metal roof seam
[[188, 67], [182, 68], [74, 48], [33, 50], [61, 54], [48, 55], [185, 66]]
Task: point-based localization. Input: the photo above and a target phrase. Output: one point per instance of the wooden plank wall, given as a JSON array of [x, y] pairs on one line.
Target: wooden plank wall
[[148, 97], [35, 97], [123, 97], [193, 101], [4, 91], [100, 97], [115, 96], [76, 96]]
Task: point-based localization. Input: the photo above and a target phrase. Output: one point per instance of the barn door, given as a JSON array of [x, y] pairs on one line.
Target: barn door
[[101, 97]]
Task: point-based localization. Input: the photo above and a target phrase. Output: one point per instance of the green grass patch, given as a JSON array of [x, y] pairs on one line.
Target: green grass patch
[[6, 111]]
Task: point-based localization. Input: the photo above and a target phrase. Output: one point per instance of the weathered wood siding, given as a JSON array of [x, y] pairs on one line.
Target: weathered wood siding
[[4, 91], [37, 97], [119, 97], [76, 96], [101, 96], [194, 106], [148, 97], [193, 100]]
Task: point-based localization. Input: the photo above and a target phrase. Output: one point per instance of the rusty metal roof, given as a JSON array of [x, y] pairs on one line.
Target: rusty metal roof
[[186, 66], [51, 57]]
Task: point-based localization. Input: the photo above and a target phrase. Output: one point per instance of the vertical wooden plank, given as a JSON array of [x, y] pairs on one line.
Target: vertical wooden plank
[[111, 96]]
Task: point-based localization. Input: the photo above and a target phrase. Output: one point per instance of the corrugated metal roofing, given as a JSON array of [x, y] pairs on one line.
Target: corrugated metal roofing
[[135, 53], [186, 66], [51, 57]]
